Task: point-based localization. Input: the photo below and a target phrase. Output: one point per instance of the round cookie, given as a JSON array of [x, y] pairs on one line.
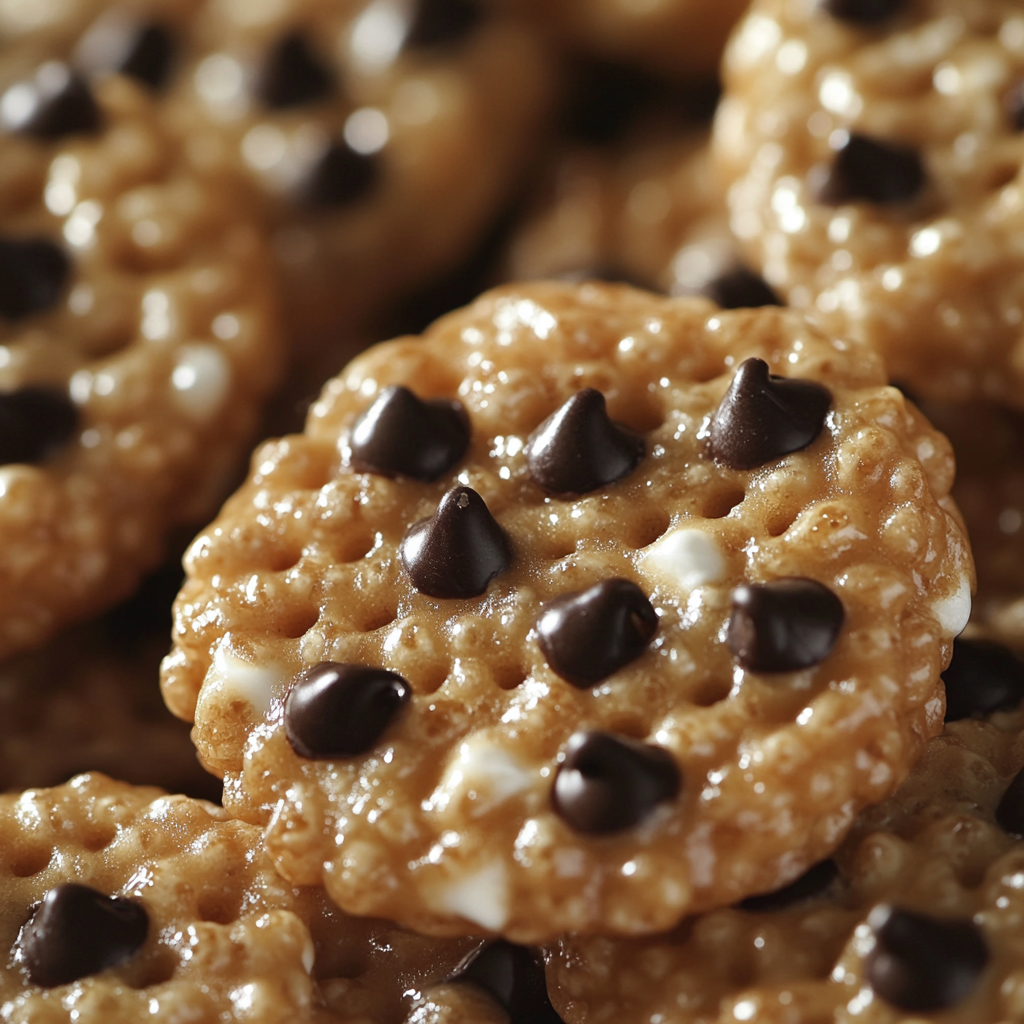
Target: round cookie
[[138, 338], [873, 155], [530, 646], [122, 903], [943, 851]]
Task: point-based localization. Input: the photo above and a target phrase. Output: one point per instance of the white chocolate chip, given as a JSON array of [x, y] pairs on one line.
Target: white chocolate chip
[[255, 684], [685, 559], [201, 379], [481, 897], [954, 610], [484, 774]]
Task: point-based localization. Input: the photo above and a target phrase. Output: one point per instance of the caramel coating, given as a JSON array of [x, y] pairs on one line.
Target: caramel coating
[[447, 826], [933, 282]]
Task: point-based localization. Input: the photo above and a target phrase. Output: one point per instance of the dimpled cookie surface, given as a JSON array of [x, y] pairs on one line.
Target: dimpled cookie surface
[[917, 917], [585, 611], [122, 903], [873, 152]]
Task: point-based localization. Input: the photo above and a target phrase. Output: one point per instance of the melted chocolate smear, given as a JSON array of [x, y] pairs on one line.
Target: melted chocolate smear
[[514, 976], [984, 676], [921, 964], [873, 171], [588, 635], [812, 883], [764, 417], [738, 287], [783, 626], [862, 12], [339, 177], [54, 103], [610, 783], [77, 931], [437, 23], [400, 435], [34, 422], [293, 75], [117, 44], [579, 449], [459, 550], [1010, 812], [33, 274], [337, 710]]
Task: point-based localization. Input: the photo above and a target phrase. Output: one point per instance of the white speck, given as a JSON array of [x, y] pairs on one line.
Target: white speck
[[377, 36], [226, 326], [156, 315], [483, 773], [201, 380], [220, 81], [367, 131], [80, 227], [954, 610], [926, 242], [686, 558], [837, 94], [253, 683], [745, 1010], [264, 147], [481, 897]]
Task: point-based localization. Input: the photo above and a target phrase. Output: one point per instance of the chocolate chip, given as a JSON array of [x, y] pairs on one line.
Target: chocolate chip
[[983, 677], [338, 177], [610, 783], [459, 550], [738, 287], [921, 964], [77, 931], [812, 883], [764, 417], [578, 448], [34, 422], [784, 625], [54, 103], [1010, 812], [400, 435], [588, 635], [514, 976], [442, 22], [1013, 104], [862, 12], [871, 170], [33, 273], [337, 710], [292, 74], [120, 44]]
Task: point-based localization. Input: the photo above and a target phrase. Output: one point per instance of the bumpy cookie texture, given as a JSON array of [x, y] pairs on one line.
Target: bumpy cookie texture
[[122, 903], [503, 796], [137, 338], [873, 154], [916, 918]]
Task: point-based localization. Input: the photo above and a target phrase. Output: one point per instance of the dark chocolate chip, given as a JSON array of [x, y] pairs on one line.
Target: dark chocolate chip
[[459, 550], [784, 625], [339, 177], [77, 931], [812, 883], [33, 274], [442, 22], [738, 287], [983, 677], [1010, 812], [337, 710], [120, 44], [34, 422], [292, 74], [921, 964], [873, 171], [55, 102], [1013, 104], [610, 783], [578, 448], [514, 976], [862, 12], [400, 435], [588, 635], [764, 417]]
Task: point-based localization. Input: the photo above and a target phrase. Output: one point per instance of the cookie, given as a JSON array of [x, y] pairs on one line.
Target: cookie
[[123, 903], [139, 336], [917, 917], [873, 171], [588, 610]]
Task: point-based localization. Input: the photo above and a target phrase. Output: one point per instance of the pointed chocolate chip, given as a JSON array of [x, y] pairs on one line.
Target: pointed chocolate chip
[[77, 931], [588, 635], [873, 171], [33, 274], [293, 74], [764, 417], [812, 883], [578, 448], [34, 422], [400, 435], [611, 783], [921, 964], [1010, 812], [338, 177], [120, 44], [738, 287], [337, 710], [514, 976], [783, 626], [459, 550], [1013, 104], [862, 12], [983, 677], [442, 22], [54, 103]]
